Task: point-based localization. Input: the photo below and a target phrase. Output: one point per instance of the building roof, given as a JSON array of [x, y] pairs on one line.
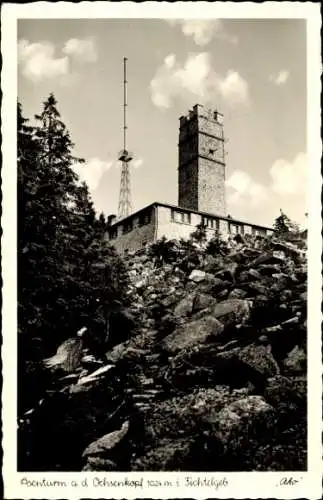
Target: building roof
[[187, 210]]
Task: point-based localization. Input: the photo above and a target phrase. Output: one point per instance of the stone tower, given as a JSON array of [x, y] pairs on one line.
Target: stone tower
[[201, 169]]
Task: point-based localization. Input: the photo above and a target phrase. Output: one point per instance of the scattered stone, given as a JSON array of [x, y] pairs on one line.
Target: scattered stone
[[106, 443], [185, 306], [286, 394], [295, 363], [235, 422], [231, 311], [202, 301], [95, 375], [237, 293], [197, 276], [194, 332], [100, 464], [260, 359]]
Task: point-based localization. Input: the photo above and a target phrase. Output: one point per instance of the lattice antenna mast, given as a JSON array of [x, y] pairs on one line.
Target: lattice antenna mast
[[125, 157]]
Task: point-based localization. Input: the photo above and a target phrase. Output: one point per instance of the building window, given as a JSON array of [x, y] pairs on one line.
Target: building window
[[258, 232], [113, 234], [182, 217], [127, 227], [232, 229], [144, 218], [187, 218], [236, 229], [211, 223], [211, 151]]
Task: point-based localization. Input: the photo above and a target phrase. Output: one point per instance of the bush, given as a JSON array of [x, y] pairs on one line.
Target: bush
[[199, 235], [217, 246], [163, 251]]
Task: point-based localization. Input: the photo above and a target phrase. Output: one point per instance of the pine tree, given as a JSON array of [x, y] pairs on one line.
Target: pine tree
[[284, 226], [281, 223], [69, 276], [28, 177], [47, 184]]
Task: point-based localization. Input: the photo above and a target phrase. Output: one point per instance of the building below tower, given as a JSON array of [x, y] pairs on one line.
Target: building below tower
[[153, 222]]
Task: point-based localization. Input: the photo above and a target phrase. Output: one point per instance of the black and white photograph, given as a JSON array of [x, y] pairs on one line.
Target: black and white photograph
[[165, 318]]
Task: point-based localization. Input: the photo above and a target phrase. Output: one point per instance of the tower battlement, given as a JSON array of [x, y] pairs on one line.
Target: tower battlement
[[199, 111]]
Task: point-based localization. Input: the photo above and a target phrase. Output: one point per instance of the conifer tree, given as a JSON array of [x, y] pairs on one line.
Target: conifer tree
[[44, 265], [69, 276], [283, 225]]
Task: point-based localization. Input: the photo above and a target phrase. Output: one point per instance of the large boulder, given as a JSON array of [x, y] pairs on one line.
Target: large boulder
[[240, 427], [184, 306], [231, 311], [194, 332], [197, 276], [286, 394], [182, 415], [105, 444], [240, 366], [260, 359], [202, 301], [296, 361]]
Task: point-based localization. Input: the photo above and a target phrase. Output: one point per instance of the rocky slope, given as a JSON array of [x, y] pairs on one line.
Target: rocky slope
[[212, 379]]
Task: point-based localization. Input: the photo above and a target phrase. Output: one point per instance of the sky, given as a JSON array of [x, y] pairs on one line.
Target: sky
[[251, 70]]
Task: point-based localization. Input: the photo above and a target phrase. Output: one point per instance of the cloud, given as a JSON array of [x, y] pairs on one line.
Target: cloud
[[81, 50], [279, 78], [137, 163], [287, 188], [195, 78], [290, 177], [245, 190], [38, 61], [203, 30], [233, 87], [92, 171]]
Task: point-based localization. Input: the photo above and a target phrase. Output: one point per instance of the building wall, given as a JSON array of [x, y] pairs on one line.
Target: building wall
[[171, 227], [135, 238], [154, 222], [175, 223]]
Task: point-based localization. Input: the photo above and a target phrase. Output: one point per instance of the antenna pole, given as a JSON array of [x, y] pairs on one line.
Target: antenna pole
[[124, 102], [125, 157]]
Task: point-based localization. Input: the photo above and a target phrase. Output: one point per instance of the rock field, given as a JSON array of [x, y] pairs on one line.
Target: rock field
[[213, 377]]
